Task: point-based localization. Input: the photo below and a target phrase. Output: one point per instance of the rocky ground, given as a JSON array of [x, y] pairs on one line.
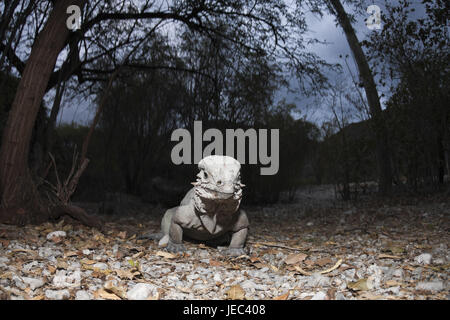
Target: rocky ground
[[316, 248]]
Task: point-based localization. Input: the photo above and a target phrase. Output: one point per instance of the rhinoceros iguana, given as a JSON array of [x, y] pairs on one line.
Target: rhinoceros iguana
[[210, 210]]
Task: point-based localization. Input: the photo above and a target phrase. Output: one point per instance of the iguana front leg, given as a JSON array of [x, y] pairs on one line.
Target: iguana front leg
[[236, 247], [175, 243], [183, 217], [239, 235]]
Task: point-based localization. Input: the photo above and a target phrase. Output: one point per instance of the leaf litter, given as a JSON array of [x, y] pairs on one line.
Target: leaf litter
[[371, 249]]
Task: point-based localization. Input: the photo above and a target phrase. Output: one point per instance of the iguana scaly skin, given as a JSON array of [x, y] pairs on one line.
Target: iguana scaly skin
[[210, 210]]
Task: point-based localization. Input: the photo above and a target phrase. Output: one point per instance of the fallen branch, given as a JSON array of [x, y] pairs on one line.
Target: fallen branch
[[274, 245], [306, 273]]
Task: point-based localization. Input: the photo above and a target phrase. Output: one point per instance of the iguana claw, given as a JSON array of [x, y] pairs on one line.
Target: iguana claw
[[175, 247], [235, 252]]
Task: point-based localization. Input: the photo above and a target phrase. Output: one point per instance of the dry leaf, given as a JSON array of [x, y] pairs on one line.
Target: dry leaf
[[87, 261], [331, 294], [388, 256], [72, 254], [392, 283], [122, 234], [214, 263], [323, 261], [166, 255], [360, 285], [282, 297], [236, 293], [126, 274], [61, 264], [295, 258], [51, 268], [138, 255], [118, 291], [259, 265], [102, 293]]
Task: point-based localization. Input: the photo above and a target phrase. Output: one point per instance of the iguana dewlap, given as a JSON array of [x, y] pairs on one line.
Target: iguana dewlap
[[210, 210]]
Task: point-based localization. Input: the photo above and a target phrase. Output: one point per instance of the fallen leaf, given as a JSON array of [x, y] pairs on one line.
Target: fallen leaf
[[166, 255], [323, 261], [138, 255], [236, 293], [331, 294], [388, 256], [392, 283], [87, 261], [295, 258], [72, 254], [282, 297], [360, 285], [214, 263], [61, 264], [118, 291], [122, 234], [126, 274], [395, 249], [51, 269], [102, 293]]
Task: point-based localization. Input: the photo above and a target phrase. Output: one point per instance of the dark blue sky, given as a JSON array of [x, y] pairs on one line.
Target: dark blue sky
[[321, 28]]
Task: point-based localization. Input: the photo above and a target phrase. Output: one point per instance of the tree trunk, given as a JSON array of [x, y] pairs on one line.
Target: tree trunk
[[382, 151], [17, 188]]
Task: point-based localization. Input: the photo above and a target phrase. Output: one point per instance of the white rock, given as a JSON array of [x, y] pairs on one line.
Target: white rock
[[340, 296], [424, 258], [101, 265], [217, 277], [319, 296], [375, 273], [82, 295], [438, 261], [398, 273], [433, 286], [57, 294], [33, 283], [141, 291], [395, 290], [317, 280], [55, 234], [62, 279], [247, 284], [18, 282], [4, 259]]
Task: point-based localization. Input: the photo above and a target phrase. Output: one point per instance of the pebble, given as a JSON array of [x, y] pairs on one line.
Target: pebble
[[57, 294], [33, 283], [424, 258], [62, 279], [82, 295], [56, 234], [317, 280], [433, 286], [141, 291], [100, 265], [319, 296]]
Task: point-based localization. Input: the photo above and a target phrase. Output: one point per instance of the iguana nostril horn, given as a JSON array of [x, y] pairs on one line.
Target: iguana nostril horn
[[219, 182]]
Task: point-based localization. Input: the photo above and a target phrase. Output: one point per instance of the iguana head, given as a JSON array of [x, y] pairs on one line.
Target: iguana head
[[219, 178]]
